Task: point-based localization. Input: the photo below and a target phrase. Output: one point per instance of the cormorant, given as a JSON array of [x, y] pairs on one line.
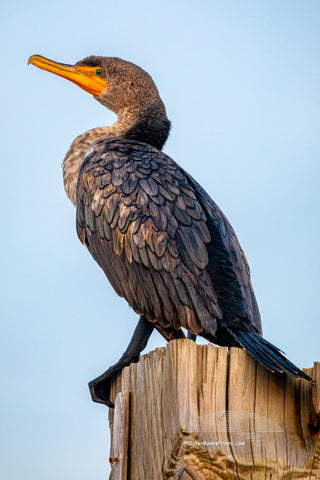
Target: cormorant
[[163, 243]]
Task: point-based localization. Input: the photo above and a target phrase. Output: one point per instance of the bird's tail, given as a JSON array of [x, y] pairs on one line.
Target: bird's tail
[[267, 354]]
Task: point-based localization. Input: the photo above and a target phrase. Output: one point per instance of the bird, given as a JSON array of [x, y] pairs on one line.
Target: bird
[[163, 243]]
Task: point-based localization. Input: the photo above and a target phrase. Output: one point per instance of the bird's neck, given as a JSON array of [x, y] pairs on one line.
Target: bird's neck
[[150, 127]]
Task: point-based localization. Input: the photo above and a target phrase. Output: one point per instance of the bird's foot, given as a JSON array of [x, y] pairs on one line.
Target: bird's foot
[[100, 389], [192, 336], [100, 386]]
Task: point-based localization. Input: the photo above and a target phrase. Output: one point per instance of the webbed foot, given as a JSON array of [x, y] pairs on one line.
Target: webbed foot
[[100, 386]]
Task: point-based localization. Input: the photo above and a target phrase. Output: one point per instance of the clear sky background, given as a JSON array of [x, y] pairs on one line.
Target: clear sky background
[[240, 80]]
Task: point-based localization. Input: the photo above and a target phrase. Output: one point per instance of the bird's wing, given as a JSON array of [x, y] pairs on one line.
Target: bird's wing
[[162, 242], [220, 228], [143, 224]]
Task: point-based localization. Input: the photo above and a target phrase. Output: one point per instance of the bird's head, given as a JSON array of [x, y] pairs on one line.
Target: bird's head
[[114, 82]]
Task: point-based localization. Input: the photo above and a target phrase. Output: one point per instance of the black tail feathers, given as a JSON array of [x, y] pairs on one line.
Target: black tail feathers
[[267, 354]]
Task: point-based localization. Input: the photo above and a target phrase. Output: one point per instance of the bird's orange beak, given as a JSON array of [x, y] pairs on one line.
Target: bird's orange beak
[[82, 75]]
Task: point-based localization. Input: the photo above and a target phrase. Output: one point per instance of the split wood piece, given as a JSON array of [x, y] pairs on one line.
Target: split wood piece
[[119, 450]]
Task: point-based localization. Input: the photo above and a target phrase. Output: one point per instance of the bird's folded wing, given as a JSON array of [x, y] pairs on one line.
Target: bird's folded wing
[[135, 204], [218, 223]]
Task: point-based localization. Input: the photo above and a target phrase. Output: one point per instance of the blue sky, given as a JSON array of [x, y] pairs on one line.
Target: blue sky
[[241, 84]]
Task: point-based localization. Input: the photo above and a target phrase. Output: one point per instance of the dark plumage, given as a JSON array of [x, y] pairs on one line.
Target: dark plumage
[[162, 242]]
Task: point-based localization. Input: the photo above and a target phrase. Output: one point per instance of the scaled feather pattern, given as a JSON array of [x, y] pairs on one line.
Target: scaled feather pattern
[[150, 227]]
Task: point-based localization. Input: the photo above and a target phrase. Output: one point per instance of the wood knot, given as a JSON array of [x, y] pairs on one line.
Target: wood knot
[[113, 460], [314, 425]]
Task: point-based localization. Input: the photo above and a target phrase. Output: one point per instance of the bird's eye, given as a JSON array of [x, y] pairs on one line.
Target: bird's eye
[[99, 71]]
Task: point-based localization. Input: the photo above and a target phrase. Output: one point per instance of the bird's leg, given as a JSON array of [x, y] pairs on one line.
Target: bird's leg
[[192, 336], [100, 386]]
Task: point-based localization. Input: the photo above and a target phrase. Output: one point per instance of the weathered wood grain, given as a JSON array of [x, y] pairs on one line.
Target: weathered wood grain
[[120, 441], [200, 412]]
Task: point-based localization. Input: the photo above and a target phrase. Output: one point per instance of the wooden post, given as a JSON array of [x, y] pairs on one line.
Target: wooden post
[[194, 412]]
